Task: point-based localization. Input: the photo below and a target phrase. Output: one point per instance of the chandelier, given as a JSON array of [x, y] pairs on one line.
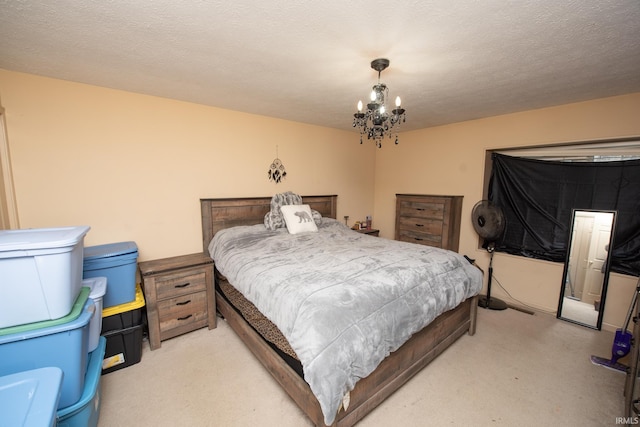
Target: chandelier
[[376, 122]]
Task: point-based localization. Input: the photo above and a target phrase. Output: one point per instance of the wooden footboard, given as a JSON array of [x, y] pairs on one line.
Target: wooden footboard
[[369, 392], [408, 360]]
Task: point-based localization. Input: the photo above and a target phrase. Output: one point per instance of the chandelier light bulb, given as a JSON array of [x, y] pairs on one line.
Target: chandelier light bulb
[[397, 101], [359, 106], [382, 110], [373, 95]]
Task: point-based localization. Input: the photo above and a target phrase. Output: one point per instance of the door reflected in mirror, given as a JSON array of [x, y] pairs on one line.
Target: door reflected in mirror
[[586, 269]]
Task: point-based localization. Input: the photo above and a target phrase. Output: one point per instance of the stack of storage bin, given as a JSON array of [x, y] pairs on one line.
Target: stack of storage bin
[[123, 303], [46, 315]]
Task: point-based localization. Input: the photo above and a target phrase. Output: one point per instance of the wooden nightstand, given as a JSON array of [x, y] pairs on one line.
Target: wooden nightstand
[[179, 295], [369, 231]]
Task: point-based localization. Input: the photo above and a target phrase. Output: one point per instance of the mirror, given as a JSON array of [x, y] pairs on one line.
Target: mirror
[[586, 269]]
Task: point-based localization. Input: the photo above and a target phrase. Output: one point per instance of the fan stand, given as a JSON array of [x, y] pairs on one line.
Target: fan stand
[[488, 302]]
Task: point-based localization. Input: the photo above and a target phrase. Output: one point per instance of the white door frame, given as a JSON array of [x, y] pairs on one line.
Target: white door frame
[[8, 206]]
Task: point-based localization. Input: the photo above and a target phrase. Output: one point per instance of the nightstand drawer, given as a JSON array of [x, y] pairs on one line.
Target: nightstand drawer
[[180, 283], [183, 310]]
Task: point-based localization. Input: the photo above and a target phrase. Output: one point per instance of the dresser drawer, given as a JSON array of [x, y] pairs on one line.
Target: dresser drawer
[[421, 225], [183, 310], [412, 236], [180, 283], [422, 209], [421, 230]]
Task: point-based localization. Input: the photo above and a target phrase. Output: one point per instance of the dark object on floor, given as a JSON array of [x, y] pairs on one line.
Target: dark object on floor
[[621, 341]]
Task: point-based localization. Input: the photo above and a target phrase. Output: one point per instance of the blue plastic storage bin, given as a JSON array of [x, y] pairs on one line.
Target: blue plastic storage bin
[[86, 412], [30, 398], [117, 262], [63, 346]]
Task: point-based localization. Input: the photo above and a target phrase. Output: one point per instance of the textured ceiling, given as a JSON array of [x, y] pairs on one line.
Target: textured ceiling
[[308, 61]]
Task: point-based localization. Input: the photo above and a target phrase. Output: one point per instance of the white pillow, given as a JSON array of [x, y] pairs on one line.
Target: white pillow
[[298, 218]]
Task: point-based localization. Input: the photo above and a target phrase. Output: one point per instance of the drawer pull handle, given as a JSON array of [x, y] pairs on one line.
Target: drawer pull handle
[[184, 302], [419, 225], [419, 209], [417, 238], [184, 285], [185, 317]]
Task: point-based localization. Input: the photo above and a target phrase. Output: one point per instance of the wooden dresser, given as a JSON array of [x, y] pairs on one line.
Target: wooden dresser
[[179, 295], [429, 220]]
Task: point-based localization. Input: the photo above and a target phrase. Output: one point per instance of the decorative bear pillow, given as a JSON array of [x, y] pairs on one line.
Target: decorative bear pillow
[[298, 218]]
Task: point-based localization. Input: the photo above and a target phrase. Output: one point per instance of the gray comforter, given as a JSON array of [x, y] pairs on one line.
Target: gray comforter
[[343, 300]]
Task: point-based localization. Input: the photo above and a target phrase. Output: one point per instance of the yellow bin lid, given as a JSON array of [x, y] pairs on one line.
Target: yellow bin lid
[[127, 306]]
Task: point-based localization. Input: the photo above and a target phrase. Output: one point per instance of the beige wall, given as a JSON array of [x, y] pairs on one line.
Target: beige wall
[[450, 160], [134, 167]]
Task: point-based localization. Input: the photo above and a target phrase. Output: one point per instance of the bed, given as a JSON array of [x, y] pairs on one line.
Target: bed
[[369, 391]]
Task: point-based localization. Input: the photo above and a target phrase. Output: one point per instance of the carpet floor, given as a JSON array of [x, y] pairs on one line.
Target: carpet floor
[[519, 369]]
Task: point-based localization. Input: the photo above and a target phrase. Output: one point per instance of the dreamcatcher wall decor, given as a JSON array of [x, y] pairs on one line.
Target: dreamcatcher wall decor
[[276, 171]]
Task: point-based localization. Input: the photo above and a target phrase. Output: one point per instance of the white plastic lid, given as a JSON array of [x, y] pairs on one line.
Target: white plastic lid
[[41, 238], [98, 286]]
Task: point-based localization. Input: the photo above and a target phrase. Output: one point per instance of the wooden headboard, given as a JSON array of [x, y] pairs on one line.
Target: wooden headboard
[[218, 214]]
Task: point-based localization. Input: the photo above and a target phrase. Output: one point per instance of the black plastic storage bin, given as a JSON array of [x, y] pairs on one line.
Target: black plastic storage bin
[[123, 327], [124, 320], [124, 348]]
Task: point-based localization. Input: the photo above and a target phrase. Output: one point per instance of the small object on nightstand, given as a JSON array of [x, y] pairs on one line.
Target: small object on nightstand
[[179, 295]]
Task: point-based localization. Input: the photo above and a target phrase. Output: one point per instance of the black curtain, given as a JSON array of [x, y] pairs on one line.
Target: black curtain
[[538, 197]]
